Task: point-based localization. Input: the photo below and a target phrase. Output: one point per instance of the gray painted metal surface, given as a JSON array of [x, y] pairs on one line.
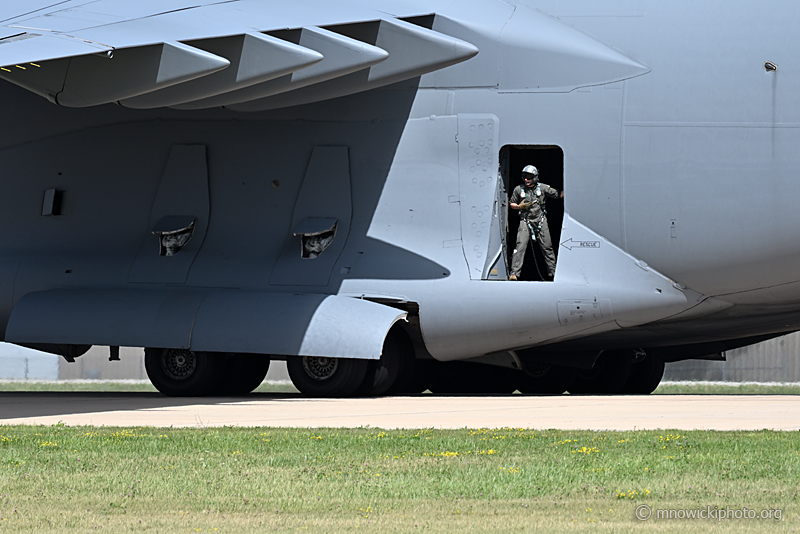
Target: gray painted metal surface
[[679, 167], [326, 194]]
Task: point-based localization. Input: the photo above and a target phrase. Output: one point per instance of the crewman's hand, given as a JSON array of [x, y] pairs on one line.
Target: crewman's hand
[[525, 205]]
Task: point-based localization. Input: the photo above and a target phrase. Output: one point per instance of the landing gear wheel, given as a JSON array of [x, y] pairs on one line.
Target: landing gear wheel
[[540, 379], [326, 377], [645, 376], [183, 372], [608, 376], [243, 374], [394, 371]]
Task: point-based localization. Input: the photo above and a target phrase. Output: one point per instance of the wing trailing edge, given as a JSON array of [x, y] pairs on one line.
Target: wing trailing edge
[[95, 79], [247, 71], [19, 46]]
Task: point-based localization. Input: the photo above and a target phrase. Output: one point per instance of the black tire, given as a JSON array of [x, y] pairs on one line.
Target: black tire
[[608, 376], [243, 374], [326, 377], [543, 379], [183, 372], [394, 371], [645, 376]]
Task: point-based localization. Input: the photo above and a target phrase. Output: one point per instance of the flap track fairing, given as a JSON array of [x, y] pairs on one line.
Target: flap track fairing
[[254, 58], [342, 56], [413, 51]]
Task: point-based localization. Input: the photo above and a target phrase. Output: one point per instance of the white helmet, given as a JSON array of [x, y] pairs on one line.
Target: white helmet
[[530, 169]]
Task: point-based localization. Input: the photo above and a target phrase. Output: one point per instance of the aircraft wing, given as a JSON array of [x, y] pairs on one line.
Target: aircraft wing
[[250, 55]]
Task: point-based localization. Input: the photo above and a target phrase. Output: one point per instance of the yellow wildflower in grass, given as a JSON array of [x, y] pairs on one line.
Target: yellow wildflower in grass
[[631, 494], [586, 450], [454, 454]]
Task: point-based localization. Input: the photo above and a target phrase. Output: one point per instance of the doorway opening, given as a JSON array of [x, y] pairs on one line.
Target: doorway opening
[[549, 159]]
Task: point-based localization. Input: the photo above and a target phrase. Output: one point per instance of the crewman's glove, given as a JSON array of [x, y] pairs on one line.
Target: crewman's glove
[[525, 205]]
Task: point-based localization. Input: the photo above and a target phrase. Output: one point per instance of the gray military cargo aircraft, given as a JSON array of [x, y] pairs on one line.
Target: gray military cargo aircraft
[[230, 182]]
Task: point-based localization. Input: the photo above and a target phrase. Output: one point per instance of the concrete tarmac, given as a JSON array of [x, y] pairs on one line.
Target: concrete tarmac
[[683, 412]]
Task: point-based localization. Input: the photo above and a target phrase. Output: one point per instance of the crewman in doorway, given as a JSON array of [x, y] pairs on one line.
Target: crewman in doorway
[[529, 198]]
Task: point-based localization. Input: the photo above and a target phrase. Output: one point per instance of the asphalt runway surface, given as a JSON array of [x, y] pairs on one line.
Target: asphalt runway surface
[[567, 412]]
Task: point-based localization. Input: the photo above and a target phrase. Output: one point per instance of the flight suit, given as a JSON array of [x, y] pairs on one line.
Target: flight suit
[[537, 219]]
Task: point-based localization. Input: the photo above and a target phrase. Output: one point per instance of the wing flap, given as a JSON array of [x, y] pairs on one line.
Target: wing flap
[[254, 58], [26, 46], [99, 79]]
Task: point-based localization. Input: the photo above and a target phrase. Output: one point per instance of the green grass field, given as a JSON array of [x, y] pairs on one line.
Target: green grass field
[[67, 479], [727, 388]]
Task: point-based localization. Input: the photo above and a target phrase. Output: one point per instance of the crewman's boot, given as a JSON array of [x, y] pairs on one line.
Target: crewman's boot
[[512, 278]]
